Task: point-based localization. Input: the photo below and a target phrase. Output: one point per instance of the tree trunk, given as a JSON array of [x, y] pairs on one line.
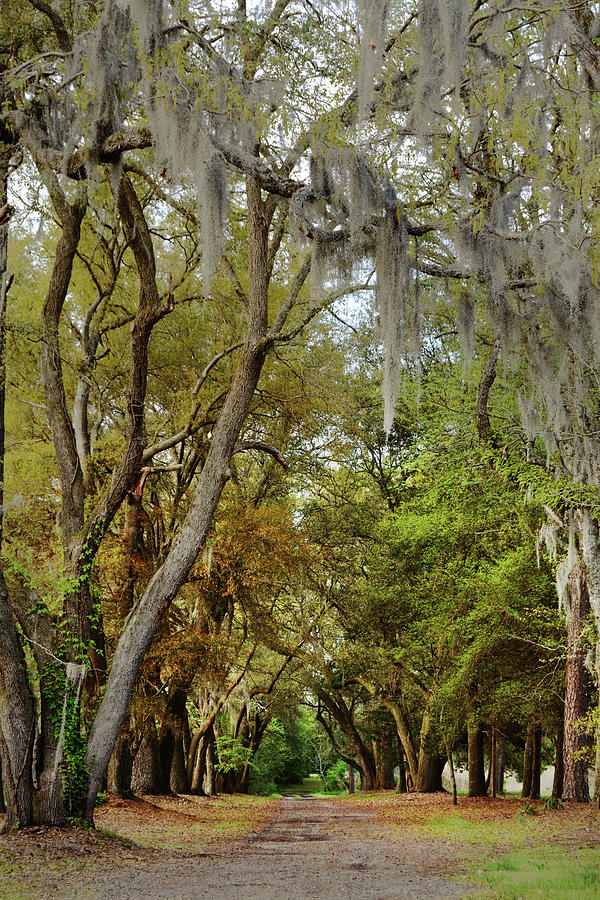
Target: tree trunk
[[178, 781], [575, 786], [198, 770], [146, 775], [558, 781], [431, 763], [493, 762], [17, 720], [476, 764], [385, 758], [452, 775], [536, 762], [597, 772], [120, 768], [401, 784], [500, 761], [527, 763], [165, 584], [429, 778], [404, 737], [338, 708], [209, 773], [17, 715], [166, 744]]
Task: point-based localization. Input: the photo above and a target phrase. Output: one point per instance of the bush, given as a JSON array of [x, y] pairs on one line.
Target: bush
[[334, 778]]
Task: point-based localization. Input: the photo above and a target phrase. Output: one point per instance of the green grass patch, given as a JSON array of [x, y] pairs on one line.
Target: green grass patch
[[543, 872]]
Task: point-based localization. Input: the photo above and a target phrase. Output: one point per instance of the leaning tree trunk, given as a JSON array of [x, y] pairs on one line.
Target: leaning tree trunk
[[165, 584], [575, 786]]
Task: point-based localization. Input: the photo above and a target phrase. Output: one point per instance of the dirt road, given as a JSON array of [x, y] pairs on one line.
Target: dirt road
[[313, 849]]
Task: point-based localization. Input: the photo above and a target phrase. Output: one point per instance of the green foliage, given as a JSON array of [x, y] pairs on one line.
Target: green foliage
[[334, 777], [281, 758], [62, 699], [233, 754]]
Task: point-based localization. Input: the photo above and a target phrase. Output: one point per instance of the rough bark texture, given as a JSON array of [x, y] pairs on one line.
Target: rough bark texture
[[405, 737], [532, 762], [385, 759], [17, 719], [431, 767], [146, 776], [178, 782], [575, 786], [536, 761]]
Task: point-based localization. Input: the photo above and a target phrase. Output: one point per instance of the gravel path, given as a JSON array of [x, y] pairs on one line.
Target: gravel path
[[314, 849]]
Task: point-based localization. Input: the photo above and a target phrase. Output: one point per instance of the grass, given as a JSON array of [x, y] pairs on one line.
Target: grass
[[313, 785], [549, 873]]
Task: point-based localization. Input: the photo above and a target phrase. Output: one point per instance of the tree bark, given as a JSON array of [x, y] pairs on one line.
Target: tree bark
[[209, 774], [120, 768], [575, 786], [338, 708], [500, 764], [17, 719], [431, 762], [178, 777], [558, 781], [351, 782], [527, 763], [487, 379], [536, 762], [476, 764], [146, 775], [385, 758]]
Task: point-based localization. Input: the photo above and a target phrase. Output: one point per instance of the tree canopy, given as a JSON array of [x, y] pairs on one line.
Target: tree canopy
[[298, 320]]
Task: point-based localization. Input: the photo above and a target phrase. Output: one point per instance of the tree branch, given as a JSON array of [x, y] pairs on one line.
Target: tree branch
[[266, 448]]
